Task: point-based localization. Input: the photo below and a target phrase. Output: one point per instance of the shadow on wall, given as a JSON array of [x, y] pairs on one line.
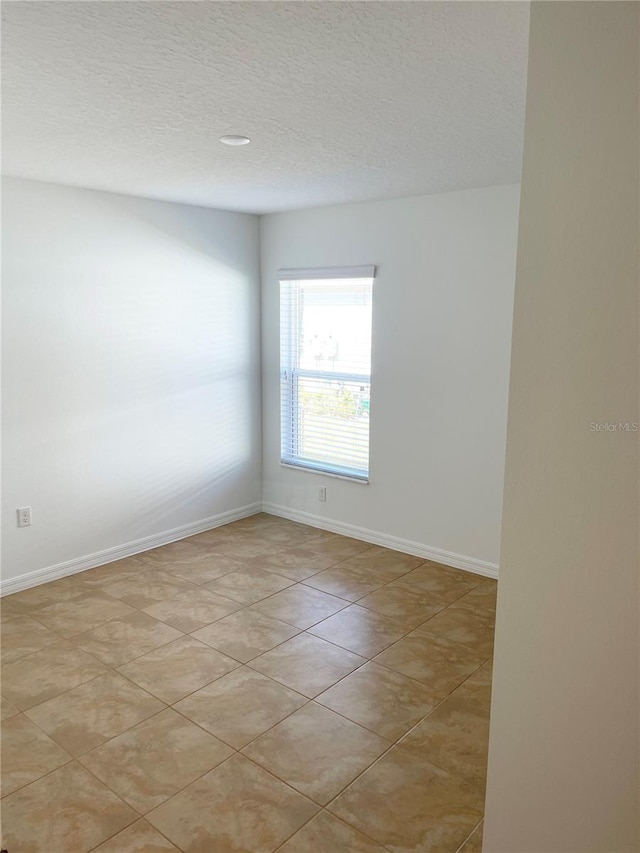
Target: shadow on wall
[[192, 227]]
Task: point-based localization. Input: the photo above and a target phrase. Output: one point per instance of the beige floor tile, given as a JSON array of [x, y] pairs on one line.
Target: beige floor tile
[[454, 737], [126, 568], [377, 559], [182, 551], [9, 610], [473, 844], [307, 664], [287, 535], [209, 539], [483, 597], [205, 571], [177, 669], [240, 706], [316, 751], [7, 710], [335, 546], [147, 588], [301, 606], [384, 701], [227, 536], [192, 609], [477, 688], [43, 675], [140, 837], [149, 763], [81, 613], [74, 582], [246, 634], [329, 537], [326, 834], [234, 532], [242, 679], [236, 807], [289, 524], [472, 578], [68, 810], [88, 715], [411, 607], [408, 805], [44, 595], [443, 585], [27, 754], [297, 564], [246, 548], [257, 521], [360, 630], [348, 583], [203, 567], [464, 624], [121, 640], [249, 585], [97, 583], [435, 661], [23, 635]]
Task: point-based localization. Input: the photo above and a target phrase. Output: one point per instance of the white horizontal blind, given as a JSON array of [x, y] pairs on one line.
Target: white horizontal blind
[[325, 369]]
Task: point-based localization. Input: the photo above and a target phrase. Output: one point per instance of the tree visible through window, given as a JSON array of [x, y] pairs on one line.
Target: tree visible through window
[[325, 369]]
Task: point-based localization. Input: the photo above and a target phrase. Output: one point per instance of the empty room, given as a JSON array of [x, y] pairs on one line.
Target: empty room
[[320, 494]]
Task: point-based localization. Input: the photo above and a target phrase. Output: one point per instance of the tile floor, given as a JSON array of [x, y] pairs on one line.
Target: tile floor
[[263, 686]]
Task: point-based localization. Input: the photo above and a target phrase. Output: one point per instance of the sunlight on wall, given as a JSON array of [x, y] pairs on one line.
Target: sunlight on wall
[[131, 387]]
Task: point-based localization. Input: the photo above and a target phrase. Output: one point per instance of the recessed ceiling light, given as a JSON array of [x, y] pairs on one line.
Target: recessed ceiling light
[[235, 140]]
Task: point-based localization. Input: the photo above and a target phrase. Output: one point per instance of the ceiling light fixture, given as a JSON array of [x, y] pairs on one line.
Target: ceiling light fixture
[[235, 140]]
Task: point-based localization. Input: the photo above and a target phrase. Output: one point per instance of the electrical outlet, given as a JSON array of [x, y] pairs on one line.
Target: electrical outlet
[[24, 516], [322, 493]]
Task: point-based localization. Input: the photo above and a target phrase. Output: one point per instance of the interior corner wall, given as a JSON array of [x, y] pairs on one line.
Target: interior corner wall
[[132, 363], [563, 753], [131, 370], [442, 316]]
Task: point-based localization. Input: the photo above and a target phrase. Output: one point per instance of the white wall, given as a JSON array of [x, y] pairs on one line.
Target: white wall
[[563, 756], [441, 338], [131, 363]]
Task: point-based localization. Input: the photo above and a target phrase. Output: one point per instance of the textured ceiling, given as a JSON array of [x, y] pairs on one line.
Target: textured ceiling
[[343, 101]]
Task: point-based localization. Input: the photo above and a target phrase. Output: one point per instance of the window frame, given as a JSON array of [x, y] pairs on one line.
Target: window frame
[[291, 374]]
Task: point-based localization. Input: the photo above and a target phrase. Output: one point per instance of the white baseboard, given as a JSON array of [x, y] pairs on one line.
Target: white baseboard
[[447, 558], [109, 555]]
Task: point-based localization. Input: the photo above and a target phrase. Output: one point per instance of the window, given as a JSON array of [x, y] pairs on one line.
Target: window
[[325, 369]]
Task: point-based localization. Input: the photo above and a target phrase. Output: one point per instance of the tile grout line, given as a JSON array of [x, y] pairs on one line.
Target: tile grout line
[[235, 751], [232, 571], [460, 849], [64, 763], [154, 828], [115, 670], [340, 820]]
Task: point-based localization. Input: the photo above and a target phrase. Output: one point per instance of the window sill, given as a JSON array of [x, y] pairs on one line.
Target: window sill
[[310, 469]]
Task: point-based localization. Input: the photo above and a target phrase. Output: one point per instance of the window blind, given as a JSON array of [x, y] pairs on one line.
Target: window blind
[[325, 369]]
